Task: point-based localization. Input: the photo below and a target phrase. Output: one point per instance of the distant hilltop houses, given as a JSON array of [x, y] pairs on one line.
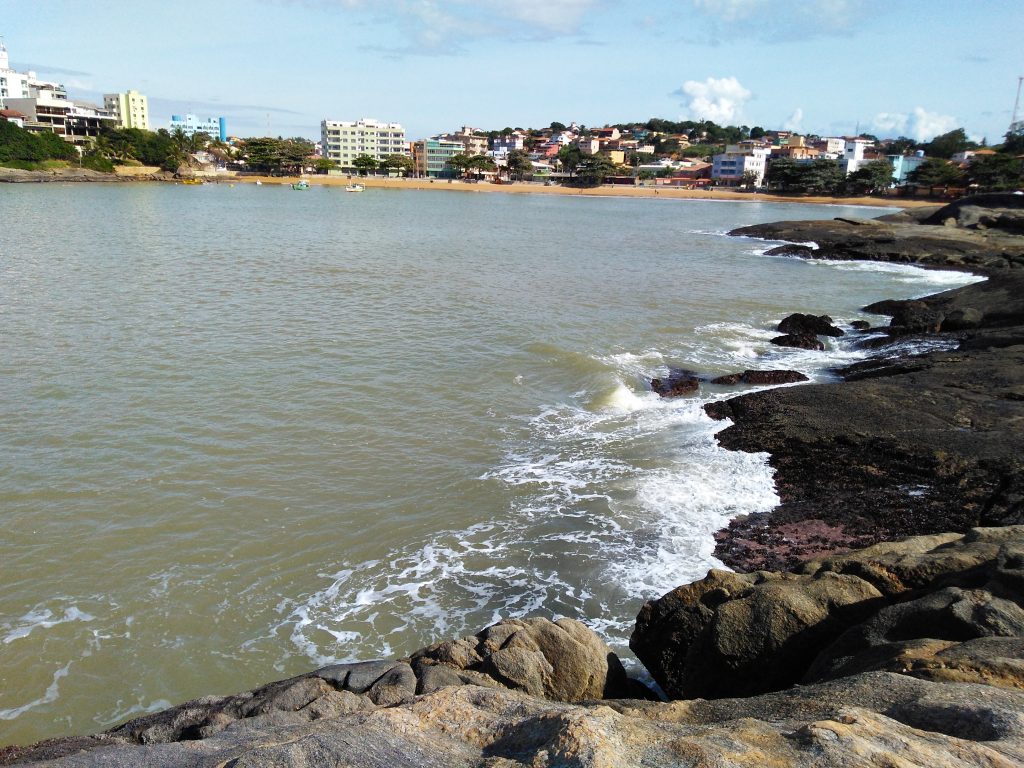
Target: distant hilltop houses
[[670, 156], [656, 152]]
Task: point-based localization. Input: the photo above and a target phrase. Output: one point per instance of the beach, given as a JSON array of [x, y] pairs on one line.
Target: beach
[[606, 190]]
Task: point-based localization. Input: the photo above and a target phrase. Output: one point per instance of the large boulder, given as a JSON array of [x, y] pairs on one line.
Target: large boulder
[[560, 660], [743, 634], [906, 607], [815, 325]]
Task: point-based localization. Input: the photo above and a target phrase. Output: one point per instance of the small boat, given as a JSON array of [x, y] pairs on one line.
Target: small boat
[[301, 184], [192, 181], [354, 188], [259, 183]]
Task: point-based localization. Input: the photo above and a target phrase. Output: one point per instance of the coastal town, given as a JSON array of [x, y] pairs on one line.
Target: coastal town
[[119, 137]]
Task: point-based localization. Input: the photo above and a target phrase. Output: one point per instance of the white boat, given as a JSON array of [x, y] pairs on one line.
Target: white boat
[[354, 188]]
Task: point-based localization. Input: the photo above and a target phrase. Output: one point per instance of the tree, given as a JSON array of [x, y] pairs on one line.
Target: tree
[[364, 164], [749, 179], [757, 132], [593, 169], [870, 177], [569, 158], [401, 163], [482, 163], [276, 155], [947, 144], [995, 172], [519, 163], [1014, 140], [459, 163], [935, 172], [819, 176], [557, 127], [323, 165]]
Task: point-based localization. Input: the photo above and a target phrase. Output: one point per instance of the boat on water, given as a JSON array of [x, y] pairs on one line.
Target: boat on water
[[354, 188], [192, 181], [301, 184]]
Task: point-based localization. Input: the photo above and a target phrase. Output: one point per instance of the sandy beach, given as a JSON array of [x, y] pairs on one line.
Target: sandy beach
[[607, 190]]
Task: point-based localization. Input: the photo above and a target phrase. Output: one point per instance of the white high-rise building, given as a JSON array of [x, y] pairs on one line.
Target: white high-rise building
[[13, 85], [130, 108], [344, 141]]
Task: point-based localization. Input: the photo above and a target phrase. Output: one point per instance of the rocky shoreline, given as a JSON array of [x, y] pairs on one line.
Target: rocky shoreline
[[906, 445], [907, 652]]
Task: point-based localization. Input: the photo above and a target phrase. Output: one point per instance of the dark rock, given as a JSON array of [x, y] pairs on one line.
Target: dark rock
[[800, 341], [860, 325], [679, 382], [760, 378], [740, 635], [916, 317], [914, 445], [813, 325], [962, 319]]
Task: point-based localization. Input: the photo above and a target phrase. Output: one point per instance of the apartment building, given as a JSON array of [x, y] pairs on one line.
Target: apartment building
[[344, 141], [214, 127], [130, 109], [729, 167], [431, 156]]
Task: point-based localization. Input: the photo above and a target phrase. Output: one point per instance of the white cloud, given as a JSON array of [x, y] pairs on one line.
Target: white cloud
[[720, 100], [889, 122], [561, 17], [920, 126], [793, 124], [776, 20], [924, 126], [446, 26]]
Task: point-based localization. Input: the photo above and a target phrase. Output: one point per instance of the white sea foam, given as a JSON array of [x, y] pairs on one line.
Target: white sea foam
[[50, 695], [42, 618]]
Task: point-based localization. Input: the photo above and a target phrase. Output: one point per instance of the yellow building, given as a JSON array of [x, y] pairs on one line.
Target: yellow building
[[131, 109]]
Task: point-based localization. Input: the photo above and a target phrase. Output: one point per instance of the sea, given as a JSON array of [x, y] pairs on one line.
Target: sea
[[247, 431]]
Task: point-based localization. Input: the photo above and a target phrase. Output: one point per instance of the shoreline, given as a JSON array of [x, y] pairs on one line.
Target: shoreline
[[904, 443], [147, 175], [607, 190]]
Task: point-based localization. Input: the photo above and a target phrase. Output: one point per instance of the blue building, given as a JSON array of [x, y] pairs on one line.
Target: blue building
[[903, 165], [214, 127]]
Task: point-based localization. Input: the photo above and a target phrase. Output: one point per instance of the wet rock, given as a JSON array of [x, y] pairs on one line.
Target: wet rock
[[860, 325], [761, 378], [801, 324], [679, 382], [799, 341]]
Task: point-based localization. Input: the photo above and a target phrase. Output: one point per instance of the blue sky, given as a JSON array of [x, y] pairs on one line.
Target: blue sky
[[912, 67]]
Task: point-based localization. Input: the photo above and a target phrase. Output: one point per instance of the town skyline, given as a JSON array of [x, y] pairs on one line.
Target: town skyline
[[279, 67]]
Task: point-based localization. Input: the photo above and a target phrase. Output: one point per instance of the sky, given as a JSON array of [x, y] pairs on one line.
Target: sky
[[278, 67]]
